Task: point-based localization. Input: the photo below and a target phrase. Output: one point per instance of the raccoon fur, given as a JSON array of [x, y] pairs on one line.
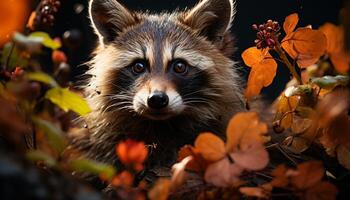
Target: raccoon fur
[[159, 78]]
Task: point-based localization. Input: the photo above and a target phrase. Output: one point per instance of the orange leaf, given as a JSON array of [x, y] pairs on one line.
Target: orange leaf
[[263, 70], [243, 130], [131, 152], [335, 37], [343, 156], [335, 46], [281, 179], [197, 164], [341, 61], [290, 23], [309, 174], [254, 192], [124, 179], [305, 46], [223, 173], [285, 106], [210, 146], [160, 190], [255, 157], [321, 191], [12, 18]]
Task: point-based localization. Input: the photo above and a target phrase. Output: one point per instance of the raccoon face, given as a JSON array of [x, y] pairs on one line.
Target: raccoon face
[[160, 66]]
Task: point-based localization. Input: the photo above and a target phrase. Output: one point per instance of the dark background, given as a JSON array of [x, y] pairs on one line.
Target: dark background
[[73, 18]]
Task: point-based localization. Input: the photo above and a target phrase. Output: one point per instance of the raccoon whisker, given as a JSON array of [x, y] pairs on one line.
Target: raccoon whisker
[[119, 97], [114, 105], [207, 92]]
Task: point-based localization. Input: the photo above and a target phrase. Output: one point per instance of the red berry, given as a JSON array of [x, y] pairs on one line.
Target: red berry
[[59, 56]]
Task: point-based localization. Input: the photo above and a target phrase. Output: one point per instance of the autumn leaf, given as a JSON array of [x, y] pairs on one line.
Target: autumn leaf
[[68, 100], [298, 144], [309, 173], [40, 156], [335, 46], [243, 130], [124, 179], [211, 147], [263, 70], [304, 45], [285, 107], [106, 172], [223, 173], [42, 77], [46, 40], [244, 150], [254, 157], [321, 191], [290, 23], [12, 18], [55, 136], [280, 179], [132, 153], [197, 164], [343, 155], [332, 116], [254, 192], [160, 190]]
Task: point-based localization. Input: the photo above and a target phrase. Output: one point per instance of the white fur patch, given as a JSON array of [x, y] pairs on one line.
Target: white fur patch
[[175, 101], [194, 58], [140, 100]]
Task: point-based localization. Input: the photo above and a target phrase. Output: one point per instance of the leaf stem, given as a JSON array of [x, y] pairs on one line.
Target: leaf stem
[[285, 60], [7, 62]]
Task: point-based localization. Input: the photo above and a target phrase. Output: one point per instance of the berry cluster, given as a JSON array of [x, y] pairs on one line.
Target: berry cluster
[[45, 12], [267, 35]]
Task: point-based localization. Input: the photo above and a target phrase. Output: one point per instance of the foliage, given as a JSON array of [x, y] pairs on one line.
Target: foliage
[[312, 112]]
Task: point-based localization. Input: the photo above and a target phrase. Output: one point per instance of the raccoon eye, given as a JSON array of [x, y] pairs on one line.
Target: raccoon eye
[[180, 66], [138, 67]]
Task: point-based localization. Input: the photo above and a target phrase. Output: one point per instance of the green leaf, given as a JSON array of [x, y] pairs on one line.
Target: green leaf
[[25, 43], [330, 82], [85, 165], [37, 155], [47, 41], [54, 135], [68, 100], [42, 77], [298, 90], [15, 59]]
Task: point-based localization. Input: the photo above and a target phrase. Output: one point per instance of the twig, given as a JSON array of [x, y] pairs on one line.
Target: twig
[[285, 60], [286, 155]]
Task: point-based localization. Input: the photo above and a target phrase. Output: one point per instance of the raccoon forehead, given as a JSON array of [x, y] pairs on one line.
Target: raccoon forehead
[[159, 42], [193, 56]]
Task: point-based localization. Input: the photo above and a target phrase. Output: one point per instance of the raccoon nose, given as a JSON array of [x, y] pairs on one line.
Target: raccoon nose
[[158, 100]]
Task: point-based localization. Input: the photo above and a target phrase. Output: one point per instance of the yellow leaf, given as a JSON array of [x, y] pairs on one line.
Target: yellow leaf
[[42, 77], [68, 100]]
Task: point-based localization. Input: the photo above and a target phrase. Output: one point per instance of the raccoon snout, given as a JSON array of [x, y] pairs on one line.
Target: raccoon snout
[[158, 100]]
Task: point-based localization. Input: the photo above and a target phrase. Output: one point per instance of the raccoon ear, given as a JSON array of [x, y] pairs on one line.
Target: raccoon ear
[[212, 18], [109, 18]]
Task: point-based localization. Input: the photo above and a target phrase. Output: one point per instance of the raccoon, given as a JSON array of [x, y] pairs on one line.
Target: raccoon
[[159, 78]]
